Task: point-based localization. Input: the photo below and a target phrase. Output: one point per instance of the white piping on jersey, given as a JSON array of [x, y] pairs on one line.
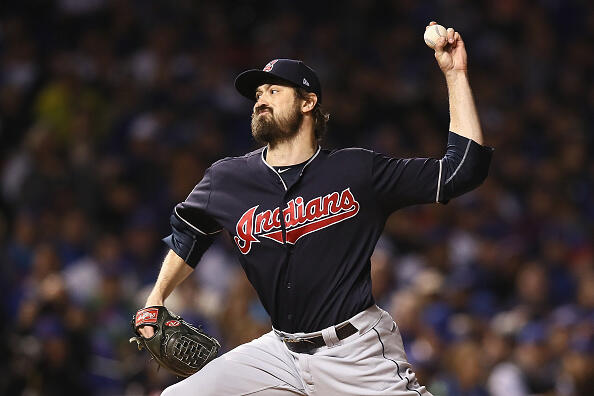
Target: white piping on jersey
[[461, 162], [311, 159], [279, 176], [438, 182], [194, 227]]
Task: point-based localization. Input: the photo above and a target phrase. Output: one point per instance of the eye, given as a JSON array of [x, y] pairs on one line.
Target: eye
[[273, 90], [258, 94]]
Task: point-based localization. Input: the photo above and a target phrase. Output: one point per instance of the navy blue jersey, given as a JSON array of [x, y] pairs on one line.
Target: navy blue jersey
[[306, 246]]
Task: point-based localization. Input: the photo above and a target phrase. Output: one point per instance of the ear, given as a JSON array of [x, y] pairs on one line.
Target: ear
[[309, 103]]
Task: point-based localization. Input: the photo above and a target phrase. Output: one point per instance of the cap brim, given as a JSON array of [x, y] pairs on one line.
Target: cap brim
[[247, 82]]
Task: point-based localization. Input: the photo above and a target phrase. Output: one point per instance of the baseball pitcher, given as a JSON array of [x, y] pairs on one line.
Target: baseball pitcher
[[305, 222]]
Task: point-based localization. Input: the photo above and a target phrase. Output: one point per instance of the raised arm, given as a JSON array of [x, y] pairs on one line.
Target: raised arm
[[450, 54], [403, 182]]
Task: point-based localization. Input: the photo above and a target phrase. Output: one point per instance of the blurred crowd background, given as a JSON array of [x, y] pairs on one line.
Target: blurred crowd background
[[110, 111]]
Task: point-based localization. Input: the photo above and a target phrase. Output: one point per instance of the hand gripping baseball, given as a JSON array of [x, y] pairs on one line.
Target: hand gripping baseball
[[177, 345], [450, 52]]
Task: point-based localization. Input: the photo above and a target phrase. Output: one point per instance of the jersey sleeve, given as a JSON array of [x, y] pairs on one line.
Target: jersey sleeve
[[193, 229], [402, 182]]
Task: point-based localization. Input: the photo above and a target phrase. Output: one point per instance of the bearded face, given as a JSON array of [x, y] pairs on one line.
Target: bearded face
[[272, 126]]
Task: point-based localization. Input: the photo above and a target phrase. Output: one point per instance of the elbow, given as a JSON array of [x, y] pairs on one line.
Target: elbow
[[476, 178], [184, 247], [464, 182], [469, 173]]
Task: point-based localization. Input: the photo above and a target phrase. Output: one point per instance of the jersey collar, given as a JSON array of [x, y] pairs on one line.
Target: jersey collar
[[265, 149], [263, 153]]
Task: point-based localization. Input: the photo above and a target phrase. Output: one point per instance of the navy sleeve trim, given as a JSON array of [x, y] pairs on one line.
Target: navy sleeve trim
[[193, 226], [466, 165], [186, 254], [187, 244], [461, 162]]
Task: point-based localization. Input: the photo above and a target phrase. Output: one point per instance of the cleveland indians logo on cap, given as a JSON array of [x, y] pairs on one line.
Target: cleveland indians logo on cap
[[300, 219], [269, 65]]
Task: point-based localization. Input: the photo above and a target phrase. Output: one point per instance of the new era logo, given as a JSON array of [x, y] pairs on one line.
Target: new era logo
[[269, 65], [305, 82]]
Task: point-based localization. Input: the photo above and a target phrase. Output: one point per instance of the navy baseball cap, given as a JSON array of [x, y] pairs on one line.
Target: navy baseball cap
[[287, 71]]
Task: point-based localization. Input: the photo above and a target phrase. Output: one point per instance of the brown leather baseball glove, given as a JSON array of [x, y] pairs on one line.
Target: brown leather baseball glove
[[176, 345]]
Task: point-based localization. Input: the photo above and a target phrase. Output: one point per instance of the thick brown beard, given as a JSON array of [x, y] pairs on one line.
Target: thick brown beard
[[269, 130]]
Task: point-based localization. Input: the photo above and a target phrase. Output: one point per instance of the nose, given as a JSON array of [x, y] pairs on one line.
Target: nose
[[261, 101], [259, 105]]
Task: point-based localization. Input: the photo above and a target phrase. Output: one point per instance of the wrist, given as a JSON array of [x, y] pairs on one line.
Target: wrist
[[454, 75], [153, 300]]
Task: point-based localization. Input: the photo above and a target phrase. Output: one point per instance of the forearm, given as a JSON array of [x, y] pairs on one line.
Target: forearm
[[173, 271], [463, 115]]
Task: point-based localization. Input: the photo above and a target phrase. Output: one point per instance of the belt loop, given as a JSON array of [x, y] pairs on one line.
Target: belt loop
[[330, 337]]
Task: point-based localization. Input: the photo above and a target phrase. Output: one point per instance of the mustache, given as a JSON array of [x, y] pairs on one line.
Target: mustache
[[262, 108]]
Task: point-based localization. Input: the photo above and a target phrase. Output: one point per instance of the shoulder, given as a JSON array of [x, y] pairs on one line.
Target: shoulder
[[350, 153], [352, 160], [230, 163]]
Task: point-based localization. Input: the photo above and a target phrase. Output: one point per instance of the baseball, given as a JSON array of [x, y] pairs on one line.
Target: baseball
[[433, 33]]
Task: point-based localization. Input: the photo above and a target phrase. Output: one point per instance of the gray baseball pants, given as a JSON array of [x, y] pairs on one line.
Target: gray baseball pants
[[367, 363]]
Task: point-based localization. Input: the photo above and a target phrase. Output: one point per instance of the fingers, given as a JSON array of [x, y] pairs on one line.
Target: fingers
[[440, 44], [450, 35], [452, 38], [146, 331]]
